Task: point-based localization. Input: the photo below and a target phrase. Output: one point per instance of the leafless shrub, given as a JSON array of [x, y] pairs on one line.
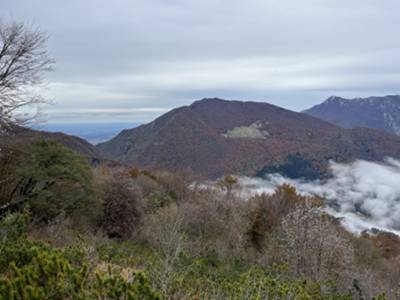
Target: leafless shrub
[[176, 185], [381, 275], [124, 207], [162, 188], [163, 230], [227, 184], [266, 213], [214, 224], [314, 246]]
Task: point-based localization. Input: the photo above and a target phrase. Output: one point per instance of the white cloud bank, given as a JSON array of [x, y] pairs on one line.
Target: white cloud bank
[[365, 194]]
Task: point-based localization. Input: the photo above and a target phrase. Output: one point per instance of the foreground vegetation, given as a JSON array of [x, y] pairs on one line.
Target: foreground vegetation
[[71, 232]]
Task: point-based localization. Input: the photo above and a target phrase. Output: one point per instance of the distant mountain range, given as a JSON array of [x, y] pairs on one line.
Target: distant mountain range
[[373, 112], [214, 137], [92, 132]]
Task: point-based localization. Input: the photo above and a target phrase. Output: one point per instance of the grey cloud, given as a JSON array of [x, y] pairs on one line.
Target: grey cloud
[[153, 53]]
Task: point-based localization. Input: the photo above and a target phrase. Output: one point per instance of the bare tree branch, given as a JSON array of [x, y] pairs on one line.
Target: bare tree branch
[[23, 62]]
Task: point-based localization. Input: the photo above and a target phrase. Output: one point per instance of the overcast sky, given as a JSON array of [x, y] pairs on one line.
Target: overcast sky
[[131, 60]]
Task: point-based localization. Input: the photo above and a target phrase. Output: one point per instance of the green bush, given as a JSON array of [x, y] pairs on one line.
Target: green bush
[[54, 180], [35, 270], [51, 276], [13, 240], [209, 277]]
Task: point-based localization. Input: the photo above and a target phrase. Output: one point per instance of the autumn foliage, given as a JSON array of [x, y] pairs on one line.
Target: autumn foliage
[[116, 233]]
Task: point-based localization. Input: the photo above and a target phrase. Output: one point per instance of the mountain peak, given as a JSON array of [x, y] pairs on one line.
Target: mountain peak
[[332, 98], [372, 112], [214, 137], [211, 99], [208, 101], [335, 99]]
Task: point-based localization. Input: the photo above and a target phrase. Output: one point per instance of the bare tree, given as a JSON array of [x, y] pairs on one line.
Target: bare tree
[[228, 183], [23, 61], [316, 247], [164, 231]]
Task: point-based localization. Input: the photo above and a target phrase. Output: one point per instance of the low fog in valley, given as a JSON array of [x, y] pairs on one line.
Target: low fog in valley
[[365, 194]]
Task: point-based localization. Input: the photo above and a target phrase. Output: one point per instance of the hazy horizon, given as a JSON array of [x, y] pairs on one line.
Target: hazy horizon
[[94, 133], [131, 61]]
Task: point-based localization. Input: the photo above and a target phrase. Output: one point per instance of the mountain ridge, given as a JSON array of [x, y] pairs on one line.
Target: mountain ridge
[[23, 135], [373, 112], [214, 137]]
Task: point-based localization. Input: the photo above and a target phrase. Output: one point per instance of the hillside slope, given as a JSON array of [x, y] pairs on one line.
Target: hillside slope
[[214, 137], [373, 112], [21, 135]]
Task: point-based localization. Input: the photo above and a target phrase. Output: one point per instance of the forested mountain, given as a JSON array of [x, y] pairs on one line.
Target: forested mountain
[[214, 137]]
